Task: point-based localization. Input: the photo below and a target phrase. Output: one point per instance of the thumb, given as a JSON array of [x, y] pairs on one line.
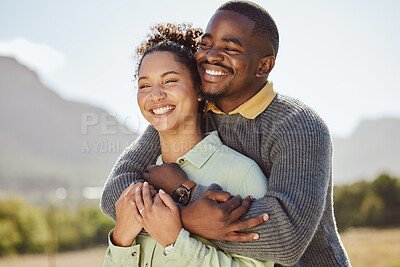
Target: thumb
[[166, 199]]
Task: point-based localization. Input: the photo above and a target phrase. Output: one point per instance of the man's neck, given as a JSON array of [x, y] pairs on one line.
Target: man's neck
[[227, 104]]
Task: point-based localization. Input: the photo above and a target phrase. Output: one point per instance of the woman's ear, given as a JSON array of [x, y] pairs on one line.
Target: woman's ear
[[265, 66]]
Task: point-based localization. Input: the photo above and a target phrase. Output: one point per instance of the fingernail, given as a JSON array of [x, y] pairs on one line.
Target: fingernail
[[145, 183], [137, 189], [162, 191], [256, 236], [265, 217], [251, 198]]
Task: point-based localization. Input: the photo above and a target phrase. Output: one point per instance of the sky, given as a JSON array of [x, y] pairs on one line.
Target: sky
[[339, 57]]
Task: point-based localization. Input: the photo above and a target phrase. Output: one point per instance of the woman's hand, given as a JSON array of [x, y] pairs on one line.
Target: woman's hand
[[127, 227], [160, 216]]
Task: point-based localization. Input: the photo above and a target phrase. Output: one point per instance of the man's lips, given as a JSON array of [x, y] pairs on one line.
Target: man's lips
[[216, 72]]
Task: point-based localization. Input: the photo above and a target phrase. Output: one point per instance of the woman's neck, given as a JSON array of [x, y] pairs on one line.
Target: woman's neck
[[175, 145]]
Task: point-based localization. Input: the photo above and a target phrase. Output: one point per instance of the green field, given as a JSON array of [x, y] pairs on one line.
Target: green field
[[365, 246]]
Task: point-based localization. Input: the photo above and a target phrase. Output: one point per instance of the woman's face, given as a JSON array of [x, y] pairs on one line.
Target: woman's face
[[166, 94]]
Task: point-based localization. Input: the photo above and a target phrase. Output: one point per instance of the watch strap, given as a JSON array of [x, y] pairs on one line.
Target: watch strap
[[189, 184]]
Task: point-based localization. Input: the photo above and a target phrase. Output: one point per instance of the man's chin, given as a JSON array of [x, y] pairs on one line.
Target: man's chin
[[212, 97], [213, 93]]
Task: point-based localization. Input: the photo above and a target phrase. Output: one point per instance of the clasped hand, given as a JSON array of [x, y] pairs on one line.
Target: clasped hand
[[140, 206]]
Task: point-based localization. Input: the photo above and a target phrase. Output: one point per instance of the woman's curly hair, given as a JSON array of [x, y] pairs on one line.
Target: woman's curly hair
[[179, 39]]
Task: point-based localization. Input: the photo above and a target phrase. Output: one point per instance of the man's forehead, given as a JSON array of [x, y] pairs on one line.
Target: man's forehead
[[229, 21]]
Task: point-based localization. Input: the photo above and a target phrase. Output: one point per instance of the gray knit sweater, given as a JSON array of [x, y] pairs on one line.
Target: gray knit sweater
[[292, 145]]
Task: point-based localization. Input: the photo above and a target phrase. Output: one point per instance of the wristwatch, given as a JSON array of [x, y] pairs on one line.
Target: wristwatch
[[181, 194]]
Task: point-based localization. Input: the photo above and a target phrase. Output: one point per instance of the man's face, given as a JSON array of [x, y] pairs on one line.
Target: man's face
[[228, 57]]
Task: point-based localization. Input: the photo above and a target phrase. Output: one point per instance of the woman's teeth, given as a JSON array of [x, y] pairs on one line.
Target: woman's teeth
[[163, 110]]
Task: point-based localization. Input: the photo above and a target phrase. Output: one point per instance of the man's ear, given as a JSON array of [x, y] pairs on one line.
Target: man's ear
[[265, 66]]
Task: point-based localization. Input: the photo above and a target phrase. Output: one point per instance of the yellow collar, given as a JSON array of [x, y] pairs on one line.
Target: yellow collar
[[252, 107]]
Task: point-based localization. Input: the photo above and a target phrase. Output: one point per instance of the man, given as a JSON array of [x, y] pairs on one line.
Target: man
[[287, 139]]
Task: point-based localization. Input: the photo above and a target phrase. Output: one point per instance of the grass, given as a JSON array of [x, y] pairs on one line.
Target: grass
[[373, 247], [365, 246], [88, 258]]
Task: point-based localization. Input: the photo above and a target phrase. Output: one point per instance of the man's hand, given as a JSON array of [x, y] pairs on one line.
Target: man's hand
[[166, 176], [216, 215]]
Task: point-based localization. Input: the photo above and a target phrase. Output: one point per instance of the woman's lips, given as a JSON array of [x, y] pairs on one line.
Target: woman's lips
[[162, 110]]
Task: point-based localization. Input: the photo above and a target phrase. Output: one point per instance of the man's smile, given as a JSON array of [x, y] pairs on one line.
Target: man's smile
[[214, 72]]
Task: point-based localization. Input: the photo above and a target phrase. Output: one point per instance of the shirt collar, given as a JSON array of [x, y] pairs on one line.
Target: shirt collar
[[252, 107], [200, 153]]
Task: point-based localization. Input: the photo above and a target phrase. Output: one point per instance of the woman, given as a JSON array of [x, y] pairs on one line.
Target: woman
[[168, 97]]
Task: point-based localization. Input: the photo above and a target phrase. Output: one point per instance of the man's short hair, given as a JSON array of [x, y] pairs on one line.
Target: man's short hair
[[264, 24]]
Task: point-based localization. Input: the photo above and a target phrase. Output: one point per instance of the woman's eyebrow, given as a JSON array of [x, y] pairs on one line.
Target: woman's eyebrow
[[142, 77], [162, 75], [169, 72]]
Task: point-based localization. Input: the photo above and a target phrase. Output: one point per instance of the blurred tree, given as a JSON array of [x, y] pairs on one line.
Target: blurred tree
[[388, 189], [347, 202], [374, 203], [95, 226], [372, 209], [10, 238], [24, 224]]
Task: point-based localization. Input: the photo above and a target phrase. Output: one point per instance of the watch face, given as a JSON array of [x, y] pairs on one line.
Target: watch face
[[181, 195]]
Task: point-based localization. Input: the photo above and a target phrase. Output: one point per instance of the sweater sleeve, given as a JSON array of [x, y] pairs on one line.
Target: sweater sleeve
[[129, 167], [300, 154]]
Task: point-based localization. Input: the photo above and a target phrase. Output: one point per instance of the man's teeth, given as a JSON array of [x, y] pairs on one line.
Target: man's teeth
[[214, 72], [163, 110]]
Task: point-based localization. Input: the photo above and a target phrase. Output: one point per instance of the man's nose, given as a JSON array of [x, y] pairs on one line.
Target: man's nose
[[214, 55], [158, 94]]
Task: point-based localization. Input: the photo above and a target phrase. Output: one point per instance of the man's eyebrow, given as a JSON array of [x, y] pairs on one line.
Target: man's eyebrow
[[232, 40], [227, 40], [206, 35]]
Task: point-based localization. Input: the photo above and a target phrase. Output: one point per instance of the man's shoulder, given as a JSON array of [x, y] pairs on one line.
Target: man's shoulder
[[287, 104], [286, 110]]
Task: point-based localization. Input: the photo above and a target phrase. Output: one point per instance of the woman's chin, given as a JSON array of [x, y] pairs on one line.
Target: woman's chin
[[164, 128]]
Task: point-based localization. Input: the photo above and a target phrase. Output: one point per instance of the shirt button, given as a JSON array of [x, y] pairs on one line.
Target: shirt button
[[181, 161], [134, 253]]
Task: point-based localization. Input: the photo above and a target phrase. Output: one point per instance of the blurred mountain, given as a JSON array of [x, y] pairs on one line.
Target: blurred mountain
[[372, 149], [48, 142]]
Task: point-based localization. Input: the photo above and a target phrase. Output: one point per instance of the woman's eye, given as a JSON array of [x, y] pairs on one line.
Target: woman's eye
[[144, 86], [170, 81]]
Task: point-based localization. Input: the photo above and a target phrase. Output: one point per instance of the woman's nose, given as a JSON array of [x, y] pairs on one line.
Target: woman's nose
[[158, 94]]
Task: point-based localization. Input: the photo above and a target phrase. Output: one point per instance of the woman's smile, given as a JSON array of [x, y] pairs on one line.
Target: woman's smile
[[162, 110]]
